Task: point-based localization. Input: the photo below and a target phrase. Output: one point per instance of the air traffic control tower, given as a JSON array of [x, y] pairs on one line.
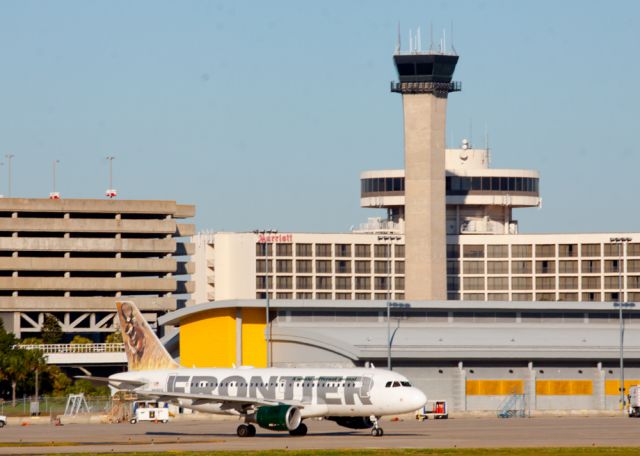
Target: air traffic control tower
[[425, 83]]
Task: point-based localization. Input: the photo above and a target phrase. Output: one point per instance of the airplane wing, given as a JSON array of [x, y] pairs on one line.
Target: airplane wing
[[215, 399], [120, 384]]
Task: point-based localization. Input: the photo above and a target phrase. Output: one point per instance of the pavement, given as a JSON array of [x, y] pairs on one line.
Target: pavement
[[200, 435]]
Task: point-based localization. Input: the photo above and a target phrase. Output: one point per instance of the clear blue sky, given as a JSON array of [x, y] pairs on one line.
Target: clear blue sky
[[264, 113]]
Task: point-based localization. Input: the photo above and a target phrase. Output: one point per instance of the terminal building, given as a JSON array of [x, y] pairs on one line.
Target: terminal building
[[444, 288], [72, 258]]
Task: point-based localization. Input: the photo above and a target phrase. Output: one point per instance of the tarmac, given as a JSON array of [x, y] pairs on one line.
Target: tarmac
[[212, 435]]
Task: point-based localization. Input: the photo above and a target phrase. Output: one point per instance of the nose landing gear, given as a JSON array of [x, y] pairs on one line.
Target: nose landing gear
[[377, 430]]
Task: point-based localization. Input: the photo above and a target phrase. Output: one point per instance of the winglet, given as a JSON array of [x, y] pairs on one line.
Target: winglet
[[143, 348]]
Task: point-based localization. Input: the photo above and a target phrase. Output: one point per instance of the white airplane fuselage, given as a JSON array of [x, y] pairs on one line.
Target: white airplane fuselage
[[318, 392]]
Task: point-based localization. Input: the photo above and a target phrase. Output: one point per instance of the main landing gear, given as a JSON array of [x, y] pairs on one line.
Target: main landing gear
[[246, 430], [300, 431], [377, 430]]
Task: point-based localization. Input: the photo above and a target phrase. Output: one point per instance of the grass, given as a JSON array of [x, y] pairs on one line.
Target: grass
[[581, 451]]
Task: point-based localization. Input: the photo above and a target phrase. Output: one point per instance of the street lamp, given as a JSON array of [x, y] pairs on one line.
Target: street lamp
[[390, 335], [620, 304], [267, 242], [389, 240]]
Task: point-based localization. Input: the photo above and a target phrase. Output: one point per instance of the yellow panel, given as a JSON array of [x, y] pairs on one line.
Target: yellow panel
[[612, 387], [494, 387], [208, 339], [254, 345], [564, 387]]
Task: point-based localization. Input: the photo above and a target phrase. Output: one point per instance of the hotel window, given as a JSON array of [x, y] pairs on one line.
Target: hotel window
[[453, 267], [633, 249], [611, 250], [590, 266], [521, 251], [611, 266], [363, 267], [260, 265], [590, 250], [473, 267], [382, 267], [567, 267], [545, 283], [633, 265], [590, 282], [568, 250], [473, 283], [498, 283], [363, 296], [453, 283], [399, 267], [363, 283], [284, 295], [399, 283], [521, 297], [284, 266], [323, 295], [400, 296], [521, 283], [304, 266], [343, 283], [261, 282], [381, 251], [498, 297], [304, 250], [343, 250], [284, 250], [304, 282], [399, 250], [612, 297], [323, 267], [545, 250], [497, 251], [343, 267], [612, 283], [568, 283], [284, 282], [453, 251], [453, 296], [633, 282], [498, 267], [323, 250], [323, 283], [380, 296], [568, 297], [545, 267], [591, 297], [261, 247], [545, 297], [474, 297], [381, 283], [473, 251], [304, 295], [343, 296], [521, 267], [633, 297], [363, 251]]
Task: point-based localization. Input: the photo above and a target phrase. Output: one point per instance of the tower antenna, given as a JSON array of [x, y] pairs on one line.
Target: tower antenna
[[471, 132], [410, 41], [486, 142], [399, 41], [431, 37], [444, 41], [419, 40], [54, 195], [453, 48]]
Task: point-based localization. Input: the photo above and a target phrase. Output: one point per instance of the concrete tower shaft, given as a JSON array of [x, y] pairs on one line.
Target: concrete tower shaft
[[425, 82]]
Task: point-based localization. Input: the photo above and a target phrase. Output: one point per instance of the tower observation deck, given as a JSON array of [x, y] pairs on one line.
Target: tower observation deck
[[425, 81]]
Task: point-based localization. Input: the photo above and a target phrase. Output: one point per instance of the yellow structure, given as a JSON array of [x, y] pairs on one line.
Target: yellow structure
[[494, 387], [224, 338]]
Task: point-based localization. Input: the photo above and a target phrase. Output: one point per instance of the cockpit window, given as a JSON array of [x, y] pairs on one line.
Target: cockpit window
[[406, 384], [388, 385], [396, 384]]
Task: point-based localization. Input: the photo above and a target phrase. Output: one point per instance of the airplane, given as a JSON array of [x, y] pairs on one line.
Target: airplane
[[277, 399]]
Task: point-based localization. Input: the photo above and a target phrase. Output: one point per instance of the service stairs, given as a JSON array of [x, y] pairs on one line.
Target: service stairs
[[514, 405], [76, 404]]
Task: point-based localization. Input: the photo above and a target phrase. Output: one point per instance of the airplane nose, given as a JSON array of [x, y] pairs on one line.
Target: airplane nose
[[418, 399]]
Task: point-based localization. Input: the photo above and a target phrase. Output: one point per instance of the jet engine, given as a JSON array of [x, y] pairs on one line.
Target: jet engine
[[352, 422], [278, 417]]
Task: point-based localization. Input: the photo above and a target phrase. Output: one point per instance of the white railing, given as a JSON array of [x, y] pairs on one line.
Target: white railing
[[74, 348], [375, 225]]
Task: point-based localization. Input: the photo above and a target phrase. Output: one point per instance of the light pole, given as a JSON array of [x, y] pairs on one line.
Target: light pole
[[391, 335], [267, 242], [389, 240], [620, 304]]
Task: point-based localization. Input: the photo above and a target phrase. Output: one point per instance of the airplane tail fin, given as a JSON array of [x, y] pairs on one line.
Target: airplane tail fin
[[143, 348]]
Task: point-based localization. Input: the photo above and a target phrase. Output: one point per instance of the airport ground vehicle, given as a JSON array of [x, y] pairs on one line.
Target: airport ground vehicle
[[3, 421], [437, 409], [149, 411], [634, 401]]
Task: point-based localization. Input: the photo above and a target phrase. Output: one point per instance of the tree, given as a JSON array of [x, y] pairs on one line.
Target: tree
[[114, 338], [78, 340], [51, 330], [18, 364]]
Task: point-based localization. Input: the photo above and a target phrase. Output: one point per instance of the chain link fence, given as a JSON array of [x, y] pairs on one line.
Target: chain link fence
[[50, 405]]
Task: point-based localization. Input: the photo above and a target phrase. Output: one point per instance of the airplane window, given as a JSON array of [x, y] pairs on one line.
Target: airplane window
[[396, 384], [406, 384], [388, 385]]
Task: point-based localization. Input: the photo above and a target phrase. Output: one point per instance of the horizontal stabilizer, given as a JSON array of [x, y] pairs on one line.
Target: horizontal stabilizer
[[116, 383]]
